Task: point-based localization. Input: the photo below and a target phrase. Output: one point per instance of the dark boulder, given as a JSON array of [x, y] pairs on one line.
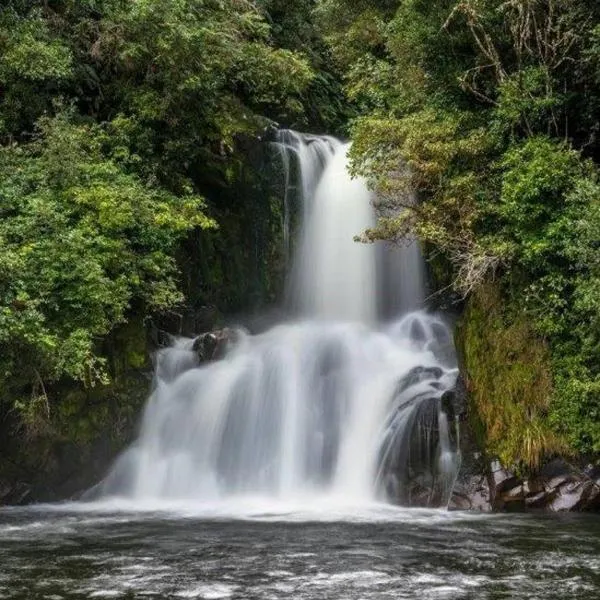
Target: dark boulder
[[214, 345], [454, 401], [417, 375]]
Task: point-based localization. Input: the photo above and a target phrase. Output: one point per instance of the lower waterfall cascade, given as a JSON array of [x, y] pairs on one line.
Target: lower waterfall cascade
[[338, 402]]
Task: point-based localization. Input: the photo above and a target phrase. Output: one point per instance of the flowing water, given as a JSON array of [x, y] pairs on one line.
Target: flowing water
[[378, 554], [277, 471], [332, 405]]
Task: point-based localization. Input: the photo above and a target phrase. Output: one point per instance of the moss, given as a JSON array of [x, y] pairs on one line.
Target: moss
[[63, 443], [509, 377], [128, 347]]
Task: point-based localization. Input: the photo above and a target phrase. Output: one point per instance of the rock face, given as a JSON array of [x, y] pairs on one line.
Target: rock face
[[472, 493], [14, 494], [472, 489], [417, 459], [558, 487]]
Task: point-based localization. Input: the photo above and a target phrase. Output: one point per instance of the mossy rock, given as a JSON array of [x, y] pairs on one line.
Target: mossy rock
[[508, 373]]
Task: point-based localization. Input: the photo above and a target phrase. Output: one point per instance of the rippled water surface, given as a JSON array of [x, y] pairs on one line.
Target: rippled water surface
[[382, 553]]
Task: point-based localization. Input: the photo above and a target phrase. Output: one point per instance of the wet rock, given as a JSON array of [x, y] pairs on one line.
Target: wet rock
[[512, 499], [205, 346], [592, 471], [5, 488], [593, 501], [457, 399], [417, 375], [533, 486], [555, 468], [157, 337], [447, 401], [214, 345], [188, 321], [454, 401], [557, 482], [420, 494], [501, 481], [574, 496], [15, 494], [559, 487], [472, 493], [537, 500]]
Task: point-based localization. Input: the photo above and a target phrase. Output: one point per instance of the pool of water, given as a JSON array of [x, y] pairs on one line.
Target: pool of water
[[78, 551]]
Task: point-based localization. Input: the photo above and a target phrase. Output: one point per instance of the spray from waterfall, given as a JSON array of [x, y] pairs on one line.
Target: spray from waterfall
[[334, 405]]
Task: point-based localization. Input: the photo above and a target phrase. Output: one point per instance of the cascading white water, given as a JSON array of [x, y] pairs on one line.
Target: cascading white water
[[335, 277], [331, 406]]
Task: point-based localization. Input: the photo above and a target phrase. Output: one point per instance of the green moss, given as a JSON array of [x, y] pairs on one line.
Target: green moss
[[129, 347], [509, 377]]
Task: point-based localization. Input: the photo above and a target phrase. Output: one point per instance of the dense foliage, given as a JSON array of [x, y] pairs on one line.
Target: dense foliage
[[125, 185], [490, 110]]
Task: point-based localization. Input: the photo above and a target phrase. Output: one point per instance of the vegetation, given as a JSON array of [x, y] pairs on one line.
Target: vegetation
[[490, 109], [82, 242]]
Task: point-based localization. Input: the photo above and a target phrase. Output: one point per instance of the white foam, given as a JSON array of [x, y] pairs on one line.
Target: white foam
[[213, 591]]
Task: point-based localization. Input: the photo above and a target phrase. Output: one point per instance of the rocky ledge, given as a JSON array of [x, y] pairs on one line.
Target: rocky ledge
[[558, 487]]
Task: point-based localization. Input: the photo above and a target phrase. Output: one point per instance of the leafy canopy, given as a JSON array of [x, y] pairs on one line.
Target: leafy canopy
[[82, 242]]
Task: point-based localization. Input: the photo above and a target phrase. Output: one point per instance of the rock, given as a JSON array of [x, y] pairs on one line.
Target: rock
[[205, 346], [573, 497], [454, 402], [556, 468], [214, 345], [473, 493], [557, 487], [539, 500], [419, 494], [448, 402], [533, 486], [459, 501], [417, 375], [512, 499], [501, 480], [557, 482], [593, 500], [14, 494], [188, 321], [5, 489]]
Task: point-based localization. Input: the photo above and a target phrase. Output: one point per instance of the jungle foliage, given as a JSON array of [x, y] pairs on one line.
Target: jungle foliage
[[490, 109], [126, 187]]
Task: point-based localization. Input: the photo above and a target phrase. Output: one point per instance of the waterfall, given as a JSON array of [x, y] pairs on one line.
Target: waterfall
[[334, 404], [333, 276]]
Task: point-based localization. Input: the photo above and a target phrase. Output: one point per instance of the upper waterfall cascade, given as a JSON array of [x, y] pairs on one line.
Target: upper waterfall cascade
[[341, 403]]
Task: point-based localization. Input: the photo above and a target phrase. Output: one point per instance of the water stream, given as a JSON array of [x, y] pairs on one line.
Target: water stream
[[236, 551]]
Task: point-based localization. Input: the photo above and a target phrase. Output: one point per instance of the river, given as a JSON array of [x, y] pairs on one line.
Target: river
[[73, 552]]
